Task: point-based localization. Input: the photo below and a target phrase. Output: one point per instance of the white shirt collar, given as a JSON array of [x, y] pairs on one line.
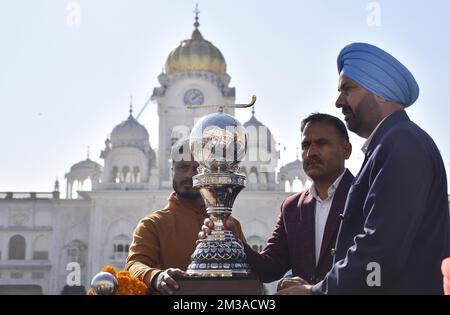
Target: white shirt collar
[[367, 143], [331, 189]]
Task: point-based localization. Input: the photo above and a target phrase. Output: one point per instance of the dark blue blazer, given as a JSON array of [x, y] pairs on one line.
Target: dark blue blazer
[[396, 217]]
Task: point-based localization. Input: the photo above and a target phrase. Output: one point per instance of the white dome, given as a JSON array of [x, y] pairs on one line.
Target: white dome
[[130, 133], [292, 171], [86, 165], [84, 169], [295, 165], [255, 128]]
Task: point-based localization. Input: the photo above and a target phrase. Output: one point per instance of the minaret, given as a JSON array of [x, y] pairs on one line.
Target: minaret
[[194, 74]]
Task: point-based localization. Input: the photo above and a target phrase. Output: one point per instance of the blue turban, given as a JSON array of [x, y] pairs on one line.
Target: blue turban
[[378, 72]]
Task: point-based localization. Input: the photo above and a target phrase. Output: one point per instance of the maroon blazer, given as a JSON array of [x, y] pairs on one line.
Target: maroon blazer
[[292, 244]]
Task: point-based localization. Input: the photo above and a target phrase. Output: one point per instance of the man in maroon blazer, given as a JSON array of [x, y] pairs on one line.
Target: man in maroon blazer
[[305, 234]]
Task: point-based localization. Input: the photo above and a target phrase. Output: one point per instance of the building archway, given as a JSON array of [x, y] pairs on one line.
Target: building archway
[[17, 246]]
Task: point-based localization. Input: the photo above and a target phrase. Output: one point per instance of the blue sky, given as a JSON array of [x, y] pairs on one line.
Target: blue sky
[[64, 87]]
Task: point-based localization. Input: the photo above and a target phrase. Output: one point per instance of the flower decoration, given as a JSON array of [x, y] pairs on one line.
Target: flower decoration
[[445, 267], [128, 285]]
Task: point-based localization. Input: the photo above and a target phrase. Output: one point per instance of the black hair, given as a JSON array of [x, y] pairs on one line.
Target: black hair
[[332, 120]]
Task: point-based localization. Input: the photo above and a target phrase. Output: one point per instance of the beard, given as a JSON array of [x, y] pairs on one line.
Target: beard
[[365, 117], [190, 194]]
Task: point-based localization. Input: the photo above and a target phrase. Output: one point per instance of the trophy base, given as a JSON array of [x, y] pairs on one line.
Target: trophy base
[[219, 286]]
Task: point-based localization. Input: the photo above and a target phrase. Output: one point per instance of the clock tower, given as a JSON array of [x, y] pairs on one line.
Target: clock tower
[[194, 74]]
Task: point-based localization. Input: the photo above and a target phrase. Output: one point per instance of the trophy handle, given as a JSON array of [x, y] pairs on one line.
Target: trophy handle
[[221, 107]]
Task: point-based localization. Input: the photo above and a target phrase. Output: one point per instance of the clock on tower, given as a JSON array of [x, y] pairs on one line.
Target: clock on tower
[[193, 97]]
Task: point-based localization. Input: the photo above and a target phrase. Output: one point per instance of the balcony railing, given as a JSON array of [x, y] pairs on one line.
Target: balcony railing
[[29, 195], [24, 264]]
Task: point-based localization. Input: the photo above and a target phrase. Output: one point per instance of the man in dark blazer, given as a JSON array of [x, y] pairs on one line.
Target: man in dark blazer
[[306, 229], [395, 231]]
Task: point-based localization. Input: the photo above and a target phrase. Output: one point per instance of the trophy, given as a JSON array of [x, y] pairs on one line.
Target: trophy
[[219, 143]]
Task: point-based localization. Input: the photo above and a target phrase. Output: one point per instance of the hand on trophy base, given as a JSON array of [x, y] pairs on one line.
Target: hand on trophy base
[[287, 282], [165, 283]]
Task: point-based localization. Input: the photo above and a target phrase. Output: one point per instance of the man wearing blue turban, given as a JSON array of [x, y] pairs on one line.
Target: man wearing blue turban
[[395, 229]]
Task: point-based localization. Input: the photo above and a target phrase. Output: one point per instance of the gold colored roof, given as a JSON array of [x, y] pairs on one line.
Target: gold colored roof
[[196, 54]]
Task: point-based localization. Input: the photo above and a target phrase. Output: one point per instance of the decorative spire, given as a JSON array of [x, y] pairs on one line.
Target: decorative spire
[[131, 105], [56, 188], [88, 148], [296, 149], [196, 11], [253, 110]]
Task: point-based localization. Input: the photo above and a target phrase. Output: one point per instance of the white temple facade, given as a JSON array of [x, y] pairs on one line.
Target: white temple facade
[[50, 245]]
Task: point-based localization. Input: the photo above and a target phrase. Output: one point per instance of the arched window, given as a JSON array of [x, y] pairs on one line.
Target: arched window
[[120, 247], [40, 248], [73, 254], [297, 185], [136, 174], [308, 183], [257, 248], [87, 184], [253, 176], [16, 247], [256, 243], [115, 175], [126, 175], [287, 186], [76, 252], [263, 178]]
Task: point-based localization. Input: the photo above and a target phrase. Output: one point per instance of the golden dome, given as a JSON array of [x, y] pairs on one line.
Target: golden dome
[[196, 54]]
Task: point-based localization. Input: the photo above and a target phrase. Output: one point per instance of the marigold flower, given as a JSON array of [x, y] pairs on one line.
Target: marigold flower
[[128, 285], [110, 269]]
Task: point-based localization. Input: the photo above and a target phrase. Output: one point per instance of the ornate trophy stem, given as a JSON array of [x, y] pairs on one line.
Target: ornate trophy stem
[[220, 254]]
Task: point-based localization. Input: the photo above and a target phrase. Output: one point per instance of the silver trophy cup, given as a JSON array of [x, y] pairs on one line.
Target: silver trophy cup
[[219, 143]]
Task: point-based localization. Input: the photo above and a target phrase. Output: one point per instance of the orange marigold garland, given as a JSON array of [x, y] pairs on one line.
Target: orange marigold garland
[[109, 269], [128, 285]]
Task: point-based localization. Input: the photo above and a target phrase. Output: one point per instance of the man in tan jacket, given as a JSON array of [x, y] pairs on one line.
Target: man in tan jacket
[[164, 241]]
